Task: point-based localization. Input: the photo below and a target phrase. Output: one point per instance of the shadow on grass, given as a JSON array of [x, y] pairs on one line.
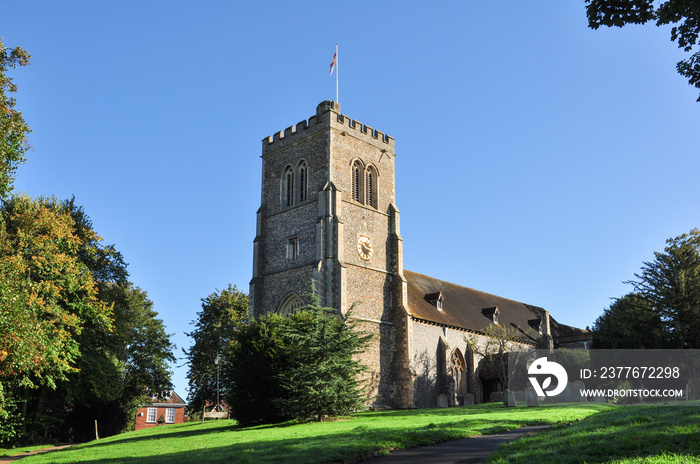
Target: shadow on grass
[[622, 433], [187, 430], [355, 444]]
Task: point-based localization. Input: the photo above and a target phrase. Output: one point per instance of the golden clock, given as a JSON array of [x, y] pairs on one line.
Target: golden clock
[[364, 248]]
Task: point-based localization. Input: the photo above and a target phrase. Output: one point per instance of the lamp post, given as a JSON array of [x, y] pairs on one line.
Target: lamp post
[[217, 361]]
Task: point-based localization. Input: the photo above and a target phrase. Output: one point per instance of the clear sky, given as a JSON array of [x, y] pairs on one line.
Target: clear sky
[[536, 159]]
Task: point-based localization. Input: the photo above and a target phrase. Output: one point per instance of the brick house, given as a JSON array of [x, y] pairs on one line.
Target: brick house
[[169, 409]]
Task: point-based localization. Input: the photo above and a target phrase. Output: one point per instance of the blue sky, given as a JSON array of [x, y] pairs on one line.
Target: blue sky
[[536, 159]]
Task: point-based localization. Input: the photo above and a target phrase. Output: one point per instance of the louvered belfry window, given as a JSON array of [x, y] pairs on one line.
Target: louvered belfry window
[[302, 182], [356, 182], [289, 187], [371, 188]]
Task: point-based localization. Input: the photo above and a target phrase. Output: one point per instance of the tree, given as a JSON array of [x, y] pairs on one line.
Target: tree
[[13, 128], [671, 285], [223, 313], [631, 322], [252, 364], [300, 367], [664, 308], [323, 378], [684, 14], [494, 346], [75, 336], [57, 299], [38, 252], [119, 369]]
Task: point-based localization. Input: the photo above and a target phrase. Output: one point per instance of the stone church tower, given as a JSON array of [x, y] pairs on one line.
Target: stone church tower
[[328, 214]]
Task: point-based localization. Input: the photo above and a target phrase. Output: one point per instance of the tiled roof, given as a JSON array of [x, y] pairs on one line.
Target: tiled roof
[[473, 310]]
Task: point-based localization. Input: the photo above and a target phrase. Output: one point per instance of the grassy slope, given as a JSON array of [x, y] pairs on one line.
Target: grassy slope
[[360, 435], [626, 434]]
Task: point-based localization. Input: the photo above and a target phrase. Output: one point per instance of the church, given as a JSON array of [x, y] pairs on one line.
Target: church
[[329, 214]]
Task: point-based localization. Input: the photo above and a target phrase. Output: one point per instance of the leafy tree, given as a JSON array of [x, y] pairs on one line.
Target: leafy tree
[[75, 336], [223, 313], [302, 366], [494, 346], [118, 369], [684, 14], [13, 128], [38, 252], [39, 259]]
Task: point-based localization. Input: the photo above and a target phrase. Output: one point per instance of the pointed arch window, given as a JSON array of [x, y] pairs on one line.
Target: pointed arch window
[[290, 305], [458, 369], [371, 187], [288, 187], [357, 172], [303, 180]]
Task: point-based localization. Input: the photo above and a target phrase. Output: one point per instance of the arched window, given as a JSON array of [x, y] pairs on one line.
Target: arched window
[[303, 174], [357, 172], [288, 187], [371, 187], [290, 305], [457, 370]]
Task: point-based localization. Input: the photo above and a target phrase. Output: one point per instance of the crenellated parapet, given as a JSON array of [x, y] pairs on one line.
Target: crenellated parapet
[[328, 115]]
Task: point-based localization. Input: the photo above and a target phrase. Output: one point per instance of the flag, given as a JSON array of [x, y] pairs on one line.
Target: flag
[[333, 62]]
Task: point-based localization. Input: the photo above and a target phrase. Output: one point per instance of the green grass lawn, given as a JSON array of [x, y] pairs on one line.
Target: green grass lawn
[[349, 439], [623, 435]]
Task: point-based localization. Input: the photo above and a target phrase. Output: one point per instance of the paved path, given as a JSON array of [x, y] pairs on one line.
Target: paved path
[[465, 451], [8, 459]]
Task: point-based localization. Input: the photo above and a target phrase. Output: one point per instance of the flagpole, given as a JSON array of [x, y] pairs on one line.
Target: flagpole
[[337, 70]]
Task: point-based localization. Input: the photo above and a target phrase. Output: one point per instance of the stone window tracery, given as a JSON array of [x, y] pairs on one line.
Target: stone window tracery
[[290, 305], [458, 369]]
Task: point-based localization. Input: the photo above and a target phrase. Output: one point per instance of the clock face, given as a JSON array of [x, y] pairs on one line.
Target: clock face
[[364, 248]]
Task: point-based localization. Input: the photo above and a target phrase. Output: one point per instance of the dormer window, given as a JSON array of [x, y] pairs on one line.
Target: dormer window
[[492, 313], [536, 324], [435, 299]]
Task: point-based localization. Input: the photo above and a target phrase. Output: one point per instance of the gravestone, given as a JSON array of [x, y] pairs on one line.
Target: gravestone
[[442, 401], [531, 398], [578, 388]]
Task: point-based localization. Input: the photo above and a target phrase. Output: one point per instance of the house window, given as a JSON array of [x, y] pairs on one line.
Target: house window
[[151, 414], [292, 248], [170, 416], [302, 181], [288, 187]]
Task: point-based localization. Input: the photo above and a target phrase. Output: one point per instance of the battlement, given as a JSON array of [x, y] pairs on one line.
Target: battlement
[[322, 116]]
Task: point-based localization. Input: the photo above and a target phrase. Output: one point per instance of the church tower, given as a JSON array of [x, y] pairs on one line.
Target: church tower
[[328, 215]]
